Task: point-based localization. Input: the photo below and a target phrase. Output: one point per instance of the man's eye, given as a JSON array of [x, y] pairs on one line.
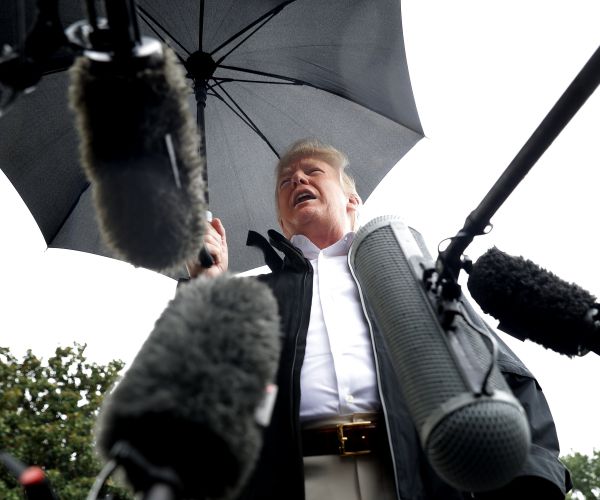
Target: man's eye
[[284, 183], [315, 171]]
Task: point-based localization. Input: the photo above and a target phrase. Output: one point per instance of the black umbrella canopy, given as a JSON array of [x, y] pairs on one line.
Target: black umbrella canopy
[[273, 72]]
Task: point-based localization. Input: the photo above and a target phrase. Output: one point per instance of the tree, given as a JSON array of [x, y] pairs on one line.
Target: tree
[[585, 471], [47, 416]]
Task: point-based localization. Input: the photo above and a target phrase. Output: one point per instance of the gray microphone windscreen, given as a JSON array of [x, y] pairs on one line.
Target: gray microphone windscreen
[[140, 151], [475, 443], [190, 399]]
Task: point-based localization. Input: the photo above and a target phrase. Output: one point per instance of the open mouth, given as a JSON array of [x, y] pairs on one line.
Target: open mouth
[[302, 197]]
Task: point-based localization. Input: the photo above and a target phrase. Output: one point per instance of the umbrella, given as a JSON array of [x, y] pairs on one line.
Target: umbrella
[[265, 73]]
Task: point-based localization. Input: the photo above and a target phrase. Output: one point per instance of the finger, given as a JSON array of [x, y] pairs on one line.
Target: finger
[[219, 228], [213, 244], [214, 239], [212, 231]]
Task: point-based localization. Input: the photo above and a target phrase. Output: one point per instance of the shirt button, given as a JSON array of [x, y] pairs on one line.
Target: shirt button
[[349, 398]]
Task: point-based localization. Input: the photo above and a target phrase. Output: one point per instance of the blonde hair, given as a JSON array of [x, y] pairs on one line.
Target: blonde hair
[[313, 148]]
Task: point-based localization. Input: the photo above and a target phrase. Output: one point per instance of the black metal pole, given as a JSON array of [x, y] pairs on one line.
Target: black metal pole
[[122, 23], [584, 84], [92, 13]]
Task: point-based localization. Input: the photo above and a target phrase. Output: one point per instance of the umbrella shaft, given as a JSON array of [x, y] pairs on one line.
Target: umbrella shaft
[[200, 89]]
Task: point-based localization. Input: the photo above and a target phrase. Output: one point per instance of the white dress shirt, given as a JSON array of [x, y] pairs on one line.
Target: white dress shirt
[[338, 373]]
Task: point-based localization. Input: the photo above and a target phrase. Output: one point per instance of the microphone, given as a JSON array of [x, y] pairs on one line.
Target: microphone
[[44, 48], [190, 399], [139, 146], [533, 303], [32, 479], [473, 431]]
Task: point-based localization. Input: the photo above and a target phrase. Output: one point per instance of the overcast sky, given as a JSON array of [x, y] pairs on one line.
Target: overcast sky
[[484, 75]]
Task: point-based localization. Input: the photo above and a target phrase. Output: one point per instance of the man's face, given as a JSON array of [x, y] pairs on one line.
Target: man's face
[[310, 197]]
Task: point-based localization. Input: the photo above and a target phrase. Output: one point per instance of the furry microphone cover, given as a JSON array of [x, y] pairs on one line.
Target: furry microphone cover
[[530, 302], [189, 398], [150, 214]]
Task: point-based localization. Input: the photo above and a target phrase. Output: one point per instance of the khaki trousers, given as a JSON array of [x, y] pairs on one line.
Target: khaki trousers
[[359, 477], [331, 477]]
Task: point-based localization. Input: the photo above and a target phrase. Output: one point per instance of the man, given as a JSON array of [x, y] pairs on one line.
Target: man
[[335, 370]]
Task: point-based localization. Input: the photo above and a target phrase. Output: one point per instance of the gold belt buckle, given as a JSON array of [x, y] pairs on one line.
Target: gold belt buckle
[[342, 439]]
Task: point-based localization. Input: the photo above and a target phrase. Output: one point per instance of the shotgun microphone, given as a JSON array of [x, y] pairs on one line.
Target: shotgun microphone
[[532, 303], [192, 400], [139, 146], [474, 432]]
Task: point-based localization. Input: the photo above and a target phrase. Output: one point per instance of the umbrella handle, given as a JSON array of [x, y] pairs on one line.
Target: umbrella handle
[[205, 258]]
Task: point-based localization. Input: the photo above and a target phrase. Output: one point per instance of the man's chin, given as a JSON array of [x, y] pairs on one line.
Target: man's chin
[[303, 221], [305, 209]]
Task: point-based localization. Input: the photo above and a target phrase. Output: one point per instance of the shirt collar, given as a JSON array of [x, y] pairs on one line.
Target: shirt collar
[[312, 251]]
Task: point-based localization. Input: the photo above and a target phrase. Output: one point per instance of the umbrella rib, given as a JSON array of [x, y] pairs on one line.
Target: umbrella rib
[[247, 120], [71, 210], [308, 84], [239, 80], [222, 58], [201, 25], [164, 40], [261, 21], [264, 73], [151, 20], [237, 113], [224, 101], [53, 71]]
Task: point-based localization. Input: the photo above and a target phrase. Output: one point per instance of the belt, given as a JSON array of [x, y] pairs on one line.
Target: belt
[[347, 439]]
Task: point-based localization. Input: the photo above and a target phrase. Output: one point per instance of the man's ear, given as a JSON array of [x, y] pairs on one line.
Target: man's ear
[[354, 201]]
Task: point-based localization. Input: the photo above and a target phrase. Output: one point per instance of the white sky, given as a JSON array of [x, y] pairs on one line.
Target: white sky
[[484, 75]]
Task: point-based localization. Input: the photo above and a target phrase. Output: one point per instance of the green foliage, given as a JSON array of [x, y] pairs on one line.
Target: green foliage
[[585, 471], [47, 417]]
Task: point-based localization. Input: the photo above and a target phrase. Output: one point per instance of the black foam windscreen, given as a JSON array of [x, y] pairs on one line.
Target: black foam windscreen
[[532, 303], [189, 400], [140, 150], [474, 442]]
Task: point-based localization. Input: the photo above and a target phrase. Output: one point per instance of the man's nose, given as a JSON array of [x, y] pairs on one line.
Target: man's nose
[[299, 178]]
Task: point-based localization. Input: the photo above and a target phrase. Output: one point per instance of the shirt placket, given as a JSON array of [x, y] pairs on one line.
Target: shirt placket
[[327, 291]]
